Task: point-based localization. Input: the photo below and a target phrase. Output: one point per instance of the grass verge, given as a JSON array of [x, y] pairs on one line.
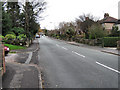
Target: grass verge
[[14, 47]]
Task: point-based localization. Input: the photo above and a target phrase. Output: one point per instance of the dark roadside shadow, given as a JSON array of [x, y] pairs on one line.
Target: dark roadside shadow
[[7, 77]]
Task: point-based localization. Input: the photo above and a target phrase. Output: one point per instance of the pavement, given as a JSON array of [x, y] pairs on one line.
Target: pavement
[[69, 66], [110, 50], [22, 70]]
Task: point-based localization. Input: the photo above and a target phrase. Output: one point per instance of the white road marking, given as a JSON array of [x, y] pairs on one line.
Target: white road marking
[[79, 54], [29, 58], [107, 67], [57, 45], [64, 48]]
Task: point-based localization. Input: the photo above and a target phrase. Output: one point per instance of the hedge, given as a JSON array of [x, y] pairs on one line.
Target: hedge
[[110, 41]]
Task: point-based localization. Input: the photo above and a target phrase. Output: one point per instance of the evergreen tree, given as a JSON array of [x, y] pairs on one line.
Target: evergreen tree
[[14, 10], [6, 22]]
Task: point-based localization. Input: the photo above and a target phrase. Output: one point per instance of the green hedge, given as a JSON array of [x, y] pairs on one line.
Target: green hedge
[[110, 41]]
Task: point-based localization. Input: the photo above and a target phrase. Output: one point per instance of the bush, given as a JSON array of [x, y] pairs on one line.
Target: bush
[[70, 32], [1, 38], [115, 32], [54, 35], [63, 36], [96, 31], [18, 30], [110, 41], [10, 33], [21, 36], [9, 38], [57, 37]]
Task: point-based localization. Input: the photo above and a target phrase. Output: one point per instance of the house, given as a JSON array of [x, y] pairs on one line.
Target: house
[[118, 24], [108, 22]]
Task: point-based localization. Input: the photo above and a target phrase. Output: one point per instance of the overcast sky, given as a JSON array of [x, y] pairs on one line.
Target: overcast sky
[[67, 10]]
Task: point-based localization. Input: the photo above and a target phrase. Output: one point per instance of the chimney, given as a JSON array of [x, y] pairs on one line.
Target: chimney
[[106, 15], [86, 18]]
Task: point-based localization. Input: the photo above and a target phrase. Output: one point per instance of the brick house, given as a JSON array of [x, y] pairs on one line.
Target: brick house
[[118, 24], [108, 22]]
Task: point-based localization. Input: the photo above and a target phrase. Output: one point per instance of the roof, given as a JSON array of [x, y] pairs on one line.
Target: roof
[[118, 21], [108, 20]]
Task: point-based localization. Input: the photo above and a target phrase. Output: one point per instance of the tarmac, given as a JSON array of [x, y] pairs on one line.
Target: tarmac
[[22, 70]]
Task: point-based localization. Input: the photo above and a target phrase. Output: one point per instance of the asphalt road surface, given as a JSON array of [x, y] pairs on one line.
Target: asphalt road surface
[[69, 66]]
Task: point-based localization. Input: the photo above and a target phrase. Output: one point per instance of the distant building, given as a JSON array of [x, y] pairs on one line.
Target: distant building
[[108, 22]]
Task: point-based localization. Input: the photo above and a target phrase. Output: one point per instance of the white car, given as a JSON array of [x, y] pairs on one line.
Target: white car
[[37, 36]]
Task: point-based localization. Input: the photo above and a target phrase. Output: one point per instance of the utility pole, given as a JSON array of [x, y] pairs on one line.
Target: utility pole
[[119, 10]]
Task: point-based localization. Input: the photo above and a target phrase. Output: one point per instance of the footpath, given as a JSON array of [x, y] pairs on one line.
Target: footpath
[[102, 49], [21, 68]]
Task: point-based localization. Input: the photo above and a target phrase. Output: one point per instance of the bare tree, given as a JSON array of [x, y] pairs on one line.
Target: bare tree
[[84, 22]]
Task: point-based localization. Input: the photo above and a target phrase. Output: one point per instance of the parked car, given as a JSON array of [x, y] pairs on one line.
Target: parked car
[[37, 36], [6, 50]]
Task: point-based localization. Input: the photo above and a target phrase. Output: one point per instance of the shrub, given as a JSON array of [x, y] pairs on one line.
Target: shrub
[[10, 32], [16, 42], [110, 41], [21, 36], [63, 36], [18, 30], [57, 37], [54, 35], [115, 32], [70, 32], [9, 38], [1, 38], [96, 31]]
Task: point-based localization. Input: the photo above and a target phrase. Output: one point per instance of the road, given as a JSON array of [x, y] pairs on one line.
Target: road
[[69, 66]]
